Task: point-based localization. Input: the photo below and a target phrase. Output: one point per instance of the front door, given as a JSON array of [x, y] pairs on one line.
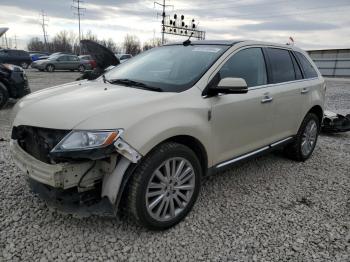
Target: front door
[[242, 123]]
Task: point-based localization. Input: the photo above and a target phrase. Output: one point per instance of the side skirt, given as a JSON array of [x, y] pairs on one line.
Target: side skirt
[[242, 158]]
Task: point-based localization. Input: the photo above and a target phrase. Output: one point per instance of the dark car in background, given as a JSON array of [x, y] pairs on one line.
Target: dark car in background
[[62, 62], [13, 83], [16, 57], [89, 59]]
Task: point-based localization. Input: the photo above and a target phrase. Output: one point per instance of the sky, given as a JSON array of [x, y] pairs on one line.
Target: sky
[[314, 24]]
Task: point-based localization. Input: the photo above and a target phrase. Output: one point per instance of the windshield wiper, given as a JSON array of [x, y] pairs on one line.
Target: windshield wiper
[[129, 82]]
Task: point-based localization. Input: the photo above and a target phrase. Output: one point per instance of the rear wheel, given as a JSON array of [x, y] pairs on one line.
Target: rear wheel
[[306, 139], [50, 68], [164, 188], [4, 95]]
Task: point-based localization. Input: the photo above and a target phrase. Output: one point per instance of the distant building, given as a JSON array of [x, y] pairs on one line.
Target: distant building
[[332, 62]]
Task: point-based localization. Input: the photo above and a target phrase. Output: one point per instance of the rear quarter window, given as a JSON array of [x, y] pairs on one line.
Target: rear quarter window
[[281, 65], [309, 71]]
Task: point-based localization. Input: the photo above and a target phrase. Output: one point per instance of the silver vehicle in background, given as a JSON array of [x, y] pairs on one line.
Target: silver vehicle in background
[[62, 62], [123, 57]]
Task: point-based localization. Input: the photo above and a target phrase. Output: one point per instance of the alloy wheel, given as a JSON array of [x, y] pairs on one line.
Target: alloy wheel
[[24, 65], [170, 189], [309, 137]]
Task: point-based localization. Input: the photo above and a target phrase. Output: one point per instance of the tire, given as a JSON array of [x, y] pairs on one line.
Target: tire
[[24, 65], [50, 68], [41, 70], [297, 150], [4, 95], [81, 68], [140, 190]]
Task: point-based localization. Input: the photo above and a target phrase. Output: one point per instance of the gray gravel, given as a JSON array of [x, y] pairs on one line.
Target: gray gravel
[[268, 209]]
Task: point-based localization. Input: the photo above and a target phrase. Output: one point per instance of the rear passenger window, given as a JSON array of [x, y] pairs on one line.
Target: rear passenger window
[[308, 69], [298, 74], [248, 64], [282, 69]]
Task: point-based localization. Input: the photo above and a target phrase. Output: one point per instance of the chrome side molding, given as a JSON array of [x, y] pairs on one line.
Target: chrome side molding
[[233, 160]]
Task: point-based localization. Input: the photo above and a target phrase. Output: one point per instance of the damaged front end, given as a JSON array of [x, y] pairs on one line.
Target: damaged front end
[[84, 166], [335, 123]]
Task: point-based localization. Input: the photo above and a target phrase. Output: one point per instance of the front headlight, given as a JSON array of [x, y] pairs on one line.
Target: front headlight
[[89, 139]]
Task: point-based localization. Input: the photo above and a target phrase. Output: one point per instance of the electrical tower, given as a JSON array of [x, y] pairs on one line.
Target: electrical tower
[[79, 12], [44, 20], [163, 15]]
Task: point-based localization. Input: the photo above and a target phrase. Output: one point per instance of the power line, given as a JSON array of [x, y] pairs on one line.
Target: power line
[[79, 12], [44, 20], [163, 15]]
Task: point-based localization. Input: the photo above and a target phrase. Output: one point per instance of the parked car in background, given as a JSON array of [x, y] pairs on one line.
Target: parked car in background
[[15, 57], [38, 55], [13, 83], [89, 59], [123, 57], [148, 131], [62, 62]]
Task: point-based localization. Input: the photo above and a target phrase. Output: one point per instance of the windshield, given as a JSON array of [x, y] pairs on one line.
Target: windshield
[[171, 68]]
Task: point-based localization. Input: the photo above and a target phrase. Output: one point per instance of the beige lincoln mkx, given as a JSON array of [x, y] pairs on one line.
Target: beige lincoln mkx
[[146, 132]]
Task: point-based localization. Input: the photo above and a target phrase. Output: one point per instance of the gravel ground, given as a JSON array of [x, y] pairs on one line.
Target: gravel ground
[[268, 209]]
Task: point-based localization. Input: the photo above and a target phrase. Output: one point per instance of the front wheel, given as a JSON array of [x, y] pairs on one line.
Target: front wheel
[[305, 140], [50, 68], [164, 188], [81, 68]]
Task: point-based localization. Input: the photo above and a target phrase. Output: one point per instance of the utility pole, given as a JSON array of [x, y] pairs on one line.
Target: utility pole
[[163, 15], [79, 12], [15, 41], [43, 21]]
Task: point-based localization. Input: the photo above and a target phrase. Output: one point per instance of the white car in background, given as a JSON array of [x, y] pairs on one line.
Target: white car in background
[[146, 132]]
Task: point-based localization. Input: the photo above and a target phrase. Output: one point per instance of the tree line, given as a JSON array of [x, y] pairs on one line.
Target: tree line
[[68, 41]]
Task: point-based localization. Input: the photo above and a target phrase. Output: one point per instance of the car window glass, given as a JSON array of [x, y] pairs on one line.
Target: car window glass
[[308, 69], [63, 58], [3, 53], [248, 64], [298, 74], [281, 64]]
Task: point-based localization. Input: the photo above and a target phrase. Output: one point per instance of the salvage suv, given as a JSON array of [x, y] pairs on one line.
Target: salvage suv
[[145, 133]]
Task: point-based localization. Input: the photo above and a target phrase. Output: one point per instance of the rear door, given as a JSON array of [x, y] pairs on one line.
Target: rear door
[[74, 62], [62, 62], [241, 123], [285, 77]]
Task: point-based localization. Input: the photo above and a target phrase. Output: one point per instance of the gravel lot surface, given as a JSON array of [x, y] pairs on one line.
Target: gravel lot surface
[[268, 209]]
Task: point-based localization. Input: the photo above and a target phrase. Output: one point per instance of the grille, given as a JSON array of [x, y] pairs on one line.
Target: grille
[[38, 142]]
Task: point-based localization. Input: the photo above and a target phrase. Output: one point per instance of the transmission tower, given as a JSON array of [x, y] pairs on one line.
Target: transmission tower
[[163, 15], [79, 12], [43, 21]]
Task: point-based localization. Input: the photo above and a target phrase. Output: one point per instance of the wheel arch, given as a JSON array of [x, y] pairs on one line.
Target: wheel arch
[[318, 111]]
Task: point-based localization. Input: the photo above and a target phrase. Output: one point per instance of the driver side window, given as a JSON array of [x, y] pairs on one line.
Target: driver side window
[[248, 64]]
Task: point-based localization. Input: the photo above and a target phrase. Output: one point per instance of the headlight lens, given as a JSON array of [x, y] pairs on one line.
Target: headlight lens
[[80, 140]]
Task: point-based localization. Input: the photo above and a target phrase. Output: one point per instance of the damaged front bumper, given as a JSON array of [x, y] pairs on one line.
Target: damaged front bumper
[[106, 176], [335, 123]]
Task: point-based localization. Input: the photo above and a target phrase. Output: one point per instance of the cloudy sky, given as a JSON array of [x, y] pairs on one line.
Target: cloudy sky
[[314, 24]]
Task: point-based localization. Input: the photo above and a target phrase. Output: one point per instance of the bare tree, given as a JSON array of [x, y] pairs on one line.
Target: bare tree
[[151, 43], [132, 45], [35, 44], [61, 42]]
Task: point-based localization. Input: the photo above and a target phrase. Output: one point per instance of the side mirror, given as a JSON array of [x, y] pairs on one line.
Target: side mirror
[[232, 85]]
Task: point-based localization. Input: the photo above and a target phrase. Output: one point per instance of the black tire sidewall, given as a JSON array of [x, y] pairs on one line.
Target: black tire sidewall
[[307, 119], [154, 162]]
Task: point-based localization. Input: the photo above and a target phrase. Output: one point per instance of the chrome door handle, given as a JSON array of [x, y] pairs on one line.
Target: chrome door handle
[[305, 90], [266, 99]]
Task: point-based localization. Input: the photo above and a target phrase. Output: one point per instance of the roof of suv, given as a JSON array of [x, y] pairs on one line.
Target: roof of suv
[[233, 42]]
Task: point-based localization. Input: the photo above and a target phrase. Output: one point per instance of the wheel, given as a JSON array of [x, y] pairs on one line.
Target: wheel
[[306, 139], [164, 187], [4, 95], [81, 68], [50, 68], [72, 70], [24, 65], [41, 70]]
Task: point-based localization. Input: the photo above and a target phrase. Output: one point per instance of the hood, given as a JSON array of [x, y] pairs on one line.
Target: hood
[[67, 106], [101, 54]]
